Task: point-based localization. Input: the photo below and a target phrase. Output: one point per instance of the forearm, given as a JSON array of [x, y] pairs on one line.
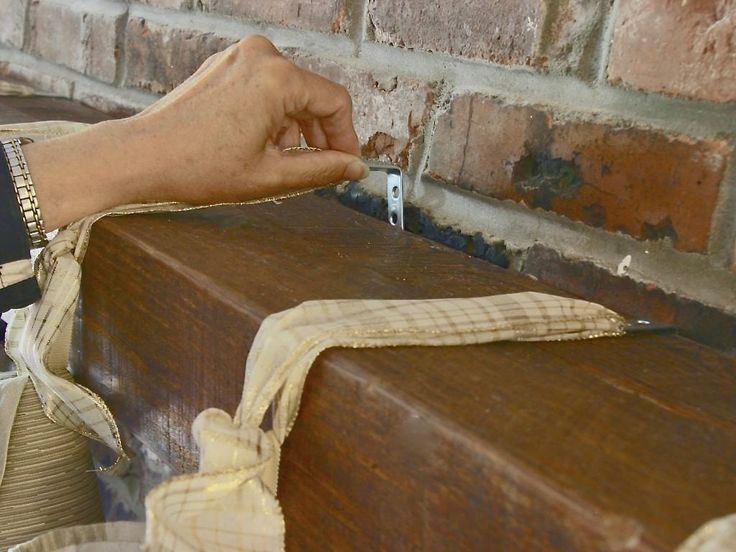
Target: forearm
[[83, 173], [226, 134], [219, 137]]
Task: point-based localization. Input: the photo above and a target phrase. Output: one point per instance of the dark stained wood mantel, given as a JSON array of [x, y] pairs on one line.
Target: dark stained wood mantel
[[614, 444], [544, 446]]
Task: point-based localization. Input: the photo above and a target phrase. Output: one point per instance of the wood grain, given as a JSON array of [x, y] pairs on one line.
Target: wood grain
[[610, 444], [558, 446]]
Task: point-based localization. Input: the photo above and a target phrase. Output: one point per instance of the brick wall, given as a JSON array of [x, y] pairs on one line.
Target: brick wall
[[589, 143]]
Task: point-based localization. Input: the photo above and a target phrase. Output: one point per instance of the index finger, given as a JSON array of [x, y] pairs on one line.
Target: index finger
[[329, 103]]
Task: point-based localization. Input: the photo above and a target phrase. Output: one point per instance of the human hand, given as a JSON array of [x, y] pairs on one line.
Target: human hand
[[218, 137]]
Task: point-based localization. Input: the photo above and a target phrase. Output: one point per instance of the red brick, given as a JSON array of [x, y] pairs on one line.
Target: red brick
[[12, 22], [499, 31], [677, 48], [646, 183], [390, 112], [85, 41], [158, 57], [312, 15], [561, 36]]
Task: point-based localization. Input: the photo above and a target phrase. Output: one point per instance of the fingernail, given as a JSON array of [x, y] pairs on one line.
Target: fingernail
[[356, 170]]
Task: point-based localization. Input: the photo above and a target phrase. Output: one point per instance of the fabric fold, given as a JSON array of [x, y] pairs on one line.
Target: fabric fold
[[231, 503], [15, 272], [38, 338], [239, 459]]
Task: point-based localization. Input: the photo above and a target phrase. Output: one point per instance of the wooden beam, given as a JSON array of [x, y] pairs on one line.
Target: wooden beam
[[610, 444], [511, 446]]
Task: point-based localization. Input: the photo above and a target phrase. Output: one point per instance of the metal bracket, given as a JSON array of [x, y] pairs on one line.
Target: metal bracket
[[394, 192], [647, 326]]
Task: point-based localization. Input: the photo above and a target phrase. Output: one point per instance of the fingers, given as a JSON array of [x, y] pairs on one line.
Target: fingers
[[314, 169], [324, 108], [290, 136], [329, 104], [313, 134]]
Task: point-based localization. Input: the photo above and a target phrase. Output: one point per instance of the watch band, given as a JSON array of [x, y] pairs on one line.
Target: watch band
[[24, 190], [18, 286]]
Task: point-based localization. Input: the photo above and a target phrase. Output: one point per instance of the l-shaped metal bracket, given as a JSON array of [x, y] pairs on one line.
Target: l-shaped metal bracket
[[394, 191]]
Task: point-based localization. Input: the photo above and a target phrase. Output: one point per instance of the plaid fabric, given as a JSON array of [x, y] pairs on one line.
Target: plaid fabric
[[231, 503], [716, 535], [14, 272], [38, 338]]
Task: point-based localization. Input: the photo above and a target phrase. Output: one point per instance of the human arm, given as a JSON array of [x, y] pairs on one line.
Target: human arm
[[218, 137]]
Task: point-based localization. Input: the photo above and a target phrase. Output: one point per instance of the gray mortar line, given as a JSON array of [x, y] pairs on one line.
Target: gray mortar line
[[688, 275], [522, 86], [518, 85], [27, 26], [58, 87], [284, 37], [120, 42], [512, 84], [358, 10], [133, 99], [442, 96], [515, 84], [128, 97], [604, 47], [723, 227], [543, 39]]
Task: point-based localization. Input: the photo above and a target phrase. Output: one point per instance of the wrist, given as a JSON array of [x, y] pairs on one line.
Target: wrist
[[18, 287], [83, 173], [25, 192]]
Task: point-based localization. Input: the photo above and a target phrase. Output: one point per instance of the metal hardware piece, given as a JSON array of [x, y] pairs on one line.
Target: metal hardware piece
[[394, 192], [647, 326]]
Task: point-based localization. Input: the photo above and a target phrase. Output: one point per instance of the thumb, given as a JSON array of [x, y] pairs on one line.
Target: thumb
[[312, 169]]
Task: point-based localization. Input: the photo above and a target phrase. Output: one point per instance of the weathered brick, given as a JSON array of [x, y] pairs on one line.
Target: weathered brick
[[390, 112], [158, 56], [312, 15], [560, 36], [646, 183], [497, 30], [12, 21], [677, 48], [82, 36]]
